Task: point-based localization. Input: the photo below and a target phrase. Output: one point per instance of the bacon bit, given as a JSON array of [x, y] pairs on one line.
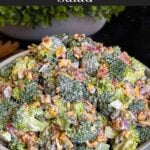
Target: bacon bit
[[46, 42], [66, 141], [32, 147], [103, 71], [125, 134], [92, 144], [79, 74], [125, 57], [29, 138], [114, 81], [110, 50], [147, 122], [79, 37], [60, 52], [77, 52], [89, 117], [100, 46], [141, 116], [56, 135], [129, 89], [117, 124], [70, 113], [93, 48], [28, 74], [136, 91], [101, 137], [118, 85], [64, 63], [91, 88], [54, 98], [89, 107], [145, 89], [140, 83], [46, 98]]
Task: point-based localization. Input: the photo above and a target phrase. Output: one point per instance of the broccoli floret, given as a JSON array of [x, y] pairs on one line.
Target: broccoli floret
[[90, 62], [139, 68], [48, 47], [7, 109], [117, 69], [16, 145], [135, 71], [130, 75], [103, 104], [143, 133], [76, 122], [136, 106], [84, 132], [44, 137], [129, 143], [73, 43], [46, 55], [27, 94], [71, 56], [71, 90], [119, 94], [26, 119], [103, 97], [68, 40], [5, 72], [110, 57], [103, 120], [21, 64], [49, 85], [104, 85]]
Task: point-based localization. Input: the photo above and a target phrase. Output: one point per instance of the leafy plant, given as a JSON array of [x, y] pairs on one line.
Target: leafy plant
[[33, 16]]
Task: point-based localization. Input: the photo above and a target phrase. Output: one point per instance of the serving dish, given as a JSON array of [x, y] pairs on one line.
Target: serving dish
[[145, 146], [74, 24]]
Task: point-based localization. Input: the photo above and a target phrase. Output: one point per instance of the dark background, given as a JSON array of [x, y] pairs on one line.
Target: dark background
[[130, 30]]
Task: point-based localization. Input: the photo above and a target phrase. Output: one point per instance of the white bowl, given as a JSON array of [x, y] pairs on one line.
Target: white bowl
[[87, 25]]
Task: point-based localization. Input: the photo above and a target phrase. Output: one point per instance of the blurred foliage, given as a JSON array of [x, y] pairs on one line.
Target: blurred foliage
[[33, 16]]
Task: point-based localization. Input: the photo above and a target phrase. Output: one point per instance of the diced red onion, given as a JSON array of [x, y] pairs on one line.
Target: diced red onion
[[125, 125]]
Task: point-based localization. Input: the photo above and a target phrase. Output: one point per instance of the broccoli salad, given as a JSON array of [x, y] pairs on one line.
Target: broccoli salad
[[71, 93]]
